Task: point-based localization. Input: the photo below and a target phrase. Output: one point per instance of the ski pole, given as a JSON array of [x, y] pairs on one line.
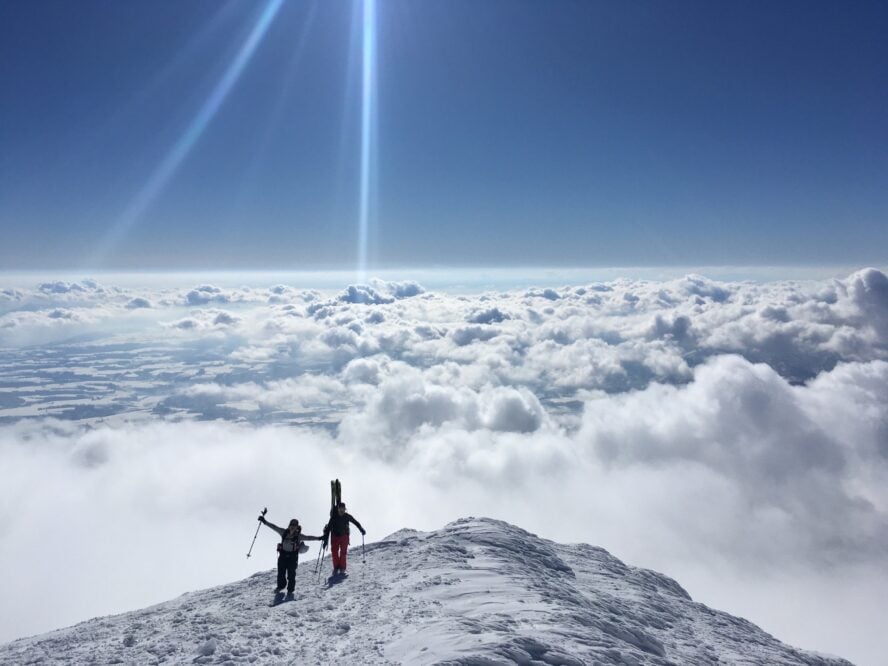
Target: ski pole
[[363, 559], [320, 559], [318, 562], [264, 511]]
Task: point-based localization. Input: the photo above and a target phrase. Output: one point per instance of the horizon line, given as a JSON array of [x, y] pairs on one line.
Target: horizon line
[[441, 278]]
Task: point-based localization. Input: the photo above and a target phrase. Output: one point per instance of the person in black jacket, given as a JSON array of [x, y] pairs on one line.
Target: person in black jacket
[[338, 527], [292, 540]]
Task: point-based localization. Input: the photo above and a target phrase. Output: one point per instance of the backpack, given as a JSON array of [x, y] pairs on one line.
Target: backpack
[[299, 545]]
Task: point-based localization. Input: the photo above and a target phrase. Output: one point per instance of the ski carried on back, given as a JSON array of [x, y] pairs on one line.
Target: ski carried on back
[[337, 530], [335, 499], [335, 493]]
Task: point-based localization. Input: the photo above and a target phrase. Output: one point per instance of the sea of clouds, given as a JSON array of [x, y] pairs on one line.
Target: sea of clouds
[[731, 434]]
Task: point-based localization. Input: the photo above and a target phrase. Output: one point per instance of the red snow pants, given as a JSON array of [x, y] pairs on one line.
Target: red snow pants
[[339, 548]]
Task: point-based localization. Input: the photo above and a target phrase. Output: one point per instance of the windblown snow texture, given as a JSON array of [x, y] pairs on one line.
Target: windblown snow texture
[[478, 591]]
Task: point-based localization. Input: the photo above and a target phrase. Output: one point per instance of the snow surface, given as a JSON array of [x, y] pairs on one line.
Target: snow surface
[[478, 591]]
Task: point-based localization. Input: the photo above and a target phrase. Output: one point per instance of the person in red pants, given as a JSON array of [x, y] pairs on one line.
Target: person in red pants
[[337, 529]]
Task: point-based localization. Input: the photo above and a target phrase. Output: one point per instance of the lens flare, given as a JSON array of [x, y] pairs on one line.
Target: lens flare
[[368, 133], [167, 168]]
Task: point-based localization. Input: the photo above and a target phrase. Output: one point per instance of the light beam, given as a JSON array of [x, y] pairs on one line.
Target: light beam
[[167, 168], [368, 131]]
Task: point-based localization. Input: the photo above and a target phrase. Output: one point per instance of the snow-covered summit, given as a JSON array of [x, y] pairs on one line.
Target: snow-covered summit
[[478, 591]]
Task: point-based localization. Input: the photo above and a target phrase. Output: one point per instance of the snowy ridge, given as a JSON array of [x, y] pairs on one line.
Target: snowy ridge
[[478, 591]]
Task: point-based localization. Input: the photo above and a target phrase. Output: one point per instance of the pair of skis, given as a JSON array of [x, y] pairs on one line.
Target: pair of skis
[[335, 499], [335, 493]]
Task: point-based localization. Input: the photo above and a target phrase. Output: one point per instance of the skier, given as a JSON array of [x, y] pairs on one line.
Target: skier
[[338, 527], [292, 540]]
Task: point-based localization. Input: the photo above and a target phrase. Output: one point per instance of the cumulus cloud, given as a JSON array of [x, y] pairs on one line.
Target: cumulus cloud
[[548, 294], [14, 295], [314, 393], [38, 326], [783, 457], [206, 320], [363, 371], [489, 316], [225, 319], [365, 294], [138, 302], [379, 292], [407, 404], [206, 294], [704, 288], [867, 291], [466, 335], [61, 287], [399, 290], [187, 324]]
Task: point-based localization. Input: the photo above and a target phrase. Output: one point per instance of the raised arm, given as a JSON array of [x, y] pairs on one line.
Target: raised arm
[[279, 530]]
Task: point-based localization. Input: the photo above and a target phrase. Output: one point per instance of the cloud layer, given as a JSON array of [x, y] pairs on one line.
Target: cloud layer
[[736, 429]]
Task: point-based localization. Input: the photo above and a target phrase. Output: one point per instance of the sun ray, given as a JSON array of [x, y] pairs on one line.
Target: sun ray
[[368, 132], [167, 168]]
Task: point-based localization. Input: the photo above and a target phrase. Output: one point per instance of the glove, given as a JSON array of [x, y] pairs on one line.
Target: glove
[[261, 519], [363, 531]]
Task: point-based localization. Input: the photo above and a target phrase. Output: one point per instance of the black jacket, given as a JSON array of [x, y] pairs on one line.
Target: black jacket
[[338, 525]]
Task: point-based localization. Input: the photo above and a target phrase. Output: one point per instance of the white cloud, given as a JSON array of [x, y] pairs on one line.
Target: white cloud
[[206, 320], [737, 469], [689, 425], [489, 316], [138, 302], [364, 371], [206, 294], [309, 392], [399, 290], [782, 455], [61, 287], [549, 294], [40, 326], [11, 295], [466, 335], [364, 294], [867, 291]]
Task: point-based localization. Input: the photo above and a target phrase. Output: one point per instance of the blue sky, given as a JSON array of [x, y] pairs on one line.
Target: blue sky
[[152, 136]]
